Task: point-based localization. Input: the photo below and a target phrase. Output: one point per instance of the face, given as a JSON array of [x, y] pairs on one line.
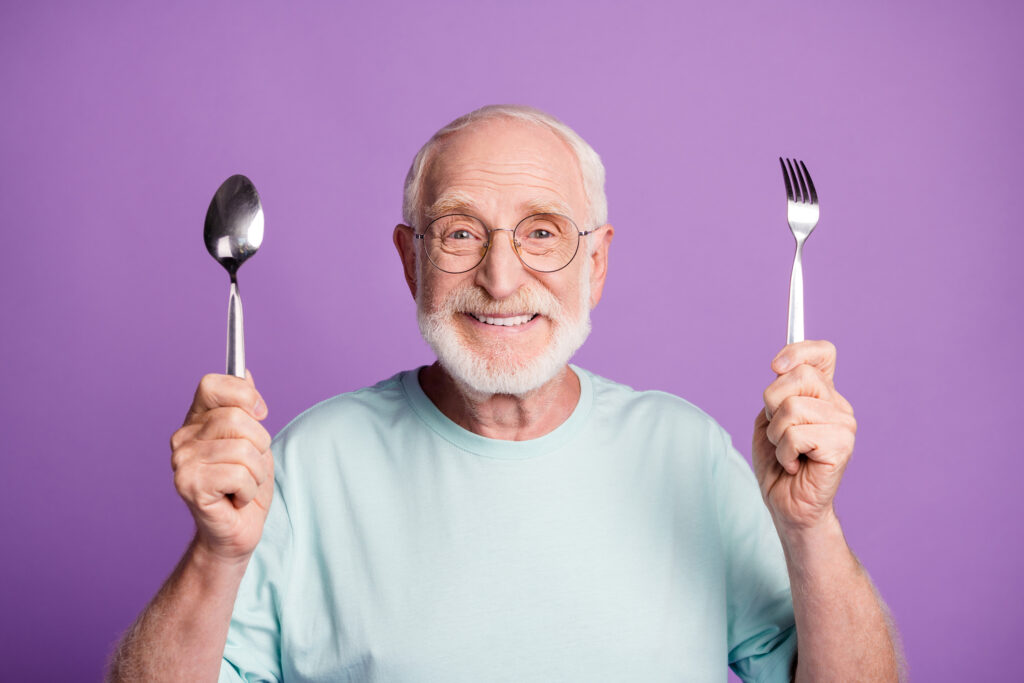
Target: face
[[502, 328]]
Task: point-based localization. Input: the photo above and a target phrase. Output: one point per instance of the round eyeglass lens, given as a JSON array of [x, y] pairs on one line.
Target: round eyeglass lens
[[547, 241], [455, 243]]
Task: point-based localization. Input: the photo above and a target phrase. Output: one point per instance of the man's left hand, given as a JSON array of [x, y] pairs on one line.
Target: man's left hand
[[803, 438]]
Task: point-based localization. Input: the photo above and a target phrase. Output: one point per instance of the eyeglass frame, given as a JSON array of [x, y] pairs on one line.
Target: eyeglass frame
[[580, 234]]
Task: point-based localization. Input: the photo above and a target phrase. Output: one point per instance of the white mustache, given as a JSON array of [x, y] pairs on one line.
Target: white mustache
[[472, 299]]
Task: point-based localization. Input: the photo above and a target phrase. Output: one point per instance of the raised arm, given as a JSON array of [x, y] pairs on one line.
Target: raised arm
[[802, 442], [224, 471]]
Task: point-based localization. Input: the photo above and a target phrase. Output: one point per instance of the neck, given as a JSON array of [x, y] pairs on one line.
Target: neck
[[503, 416]]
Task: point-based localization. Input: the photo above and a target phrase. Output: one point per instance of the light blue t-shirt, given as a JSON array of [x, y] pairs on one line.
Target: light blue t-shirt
[[629, 544]]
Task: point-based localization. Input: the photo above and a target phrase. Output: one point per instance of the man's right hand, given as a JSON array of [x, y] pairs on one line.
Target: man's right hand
[[223, 467]]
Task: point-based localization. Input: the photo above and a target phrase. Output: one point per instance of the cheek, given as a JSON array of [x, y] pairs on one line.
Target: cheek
[[433, 292]]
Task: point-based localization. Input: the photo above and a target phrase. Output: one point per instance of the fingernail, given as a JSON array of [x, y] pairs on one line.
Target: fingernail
[[782, 363], [260, 408]]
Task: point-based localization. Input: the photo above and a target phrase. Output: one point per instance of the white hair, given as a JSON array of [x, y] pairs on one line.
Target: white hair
[[590, 164]]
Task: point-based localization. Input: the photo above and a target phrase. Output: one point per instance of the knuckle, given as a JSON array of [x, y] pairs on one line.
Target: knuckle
[[804, 372], [264, 439], [240, 420], [226, 420], [786, 407], [180, 456], [244, 479], [247, 448], [208, 383], [242, 450], [184, 483], [207, 429], [177, 438], [211, 451], [238, 474], [787, 437]]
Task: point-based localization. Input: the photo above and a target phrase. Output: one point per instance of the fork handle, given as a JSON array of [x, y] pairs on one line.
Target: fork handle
[[796, 298]]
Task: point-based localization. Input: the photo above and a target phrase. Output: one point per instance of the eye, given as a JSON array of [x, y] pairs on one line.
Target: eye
[[460, 235], [539, 234]]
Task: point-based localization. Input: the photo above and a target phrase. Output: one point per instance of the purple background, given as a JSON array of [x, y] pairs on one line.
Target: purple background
[[121, 119]]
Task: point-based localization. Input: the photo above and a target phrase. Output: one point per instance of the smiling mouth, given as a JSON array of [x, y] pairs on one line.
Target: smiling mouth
[[505, 320]]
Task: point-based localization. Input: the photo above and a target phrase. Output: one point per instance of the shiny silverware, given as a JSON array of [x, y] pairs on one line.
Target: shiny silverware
[[802, 213], [233, 232]]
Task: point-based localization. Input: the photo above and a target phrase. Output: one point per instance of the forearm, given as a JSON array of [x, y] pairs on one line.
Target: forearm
[[843, 629], [181, 634]]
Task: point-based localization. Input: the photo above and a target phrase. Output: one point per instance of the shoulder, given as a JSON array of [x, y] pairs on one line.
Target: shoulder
[[379, 402], [652, 407]]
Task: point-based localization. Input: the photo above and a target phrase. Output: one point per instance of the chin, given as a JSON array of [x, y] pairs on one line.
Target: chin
[[489, 371]]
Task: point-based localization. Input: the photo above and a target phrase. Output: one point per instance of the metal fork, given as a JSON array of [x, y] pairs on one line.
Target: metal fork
[[802, 212]]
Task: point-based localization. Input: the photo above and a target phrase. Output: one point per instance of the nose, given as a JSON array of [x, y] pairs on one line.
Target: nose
[[501, 273]]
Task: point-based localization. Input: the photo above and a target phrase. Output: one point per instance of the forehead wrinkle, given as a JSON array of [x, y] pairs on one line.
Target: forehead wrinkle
[[541, 172], [467, 182], [458, 203], [456, 200]]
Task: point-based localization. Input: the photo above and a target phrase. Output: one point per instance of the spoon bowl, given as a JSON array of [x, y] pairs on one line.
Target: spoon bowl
[[233, 232], [234, 223]]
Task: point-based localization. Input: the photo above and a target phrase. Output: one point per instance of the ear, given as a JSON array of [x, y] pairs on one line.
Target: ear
[[406, 245], [599, 262]]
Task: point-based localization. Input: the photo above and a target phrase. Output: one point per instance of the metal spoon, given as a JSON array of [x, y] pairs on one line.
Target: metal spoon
[[233, 232]]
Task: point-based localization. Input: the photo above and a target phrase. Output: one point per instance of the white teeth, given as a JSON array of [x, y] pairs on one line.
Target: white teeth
[[506, 322]]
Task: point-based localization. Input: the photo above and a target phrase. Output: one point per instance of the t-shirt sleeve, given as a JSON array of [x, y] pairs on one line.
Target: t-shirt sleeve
[[762, 629], [253, 649]]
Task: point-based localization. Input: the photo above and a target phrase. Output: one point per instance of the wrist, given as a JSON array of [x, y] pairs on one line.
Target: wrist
[[818, 549], [209, 562], [822, 525]]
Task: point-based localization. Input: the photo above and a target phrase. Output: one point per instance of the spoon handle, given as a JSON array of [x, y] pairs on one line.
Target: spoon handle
[[236, 344]]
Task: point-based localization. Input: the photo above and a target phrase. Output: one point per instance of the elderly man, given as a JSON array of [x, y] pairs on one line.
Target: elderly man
[[502, 515]]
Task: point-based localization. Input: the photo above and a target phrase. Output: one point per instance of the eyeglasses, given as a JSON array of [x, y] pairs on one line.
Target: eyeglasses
[[545, 242]]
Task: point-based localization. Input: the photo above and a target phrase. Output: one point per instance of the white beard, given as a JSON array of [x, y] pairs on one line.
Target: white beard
[[497, 368]]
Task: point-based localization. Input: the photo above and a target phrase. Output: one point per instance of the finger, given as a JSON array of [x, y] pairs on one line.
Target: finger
[[818, 354], [267, 458], [797, 410], [232, 423], [236, 452], [188, 461], [215, 391], [221, 480], [183, 435], [803, 380], [820, 443], [265, 492]]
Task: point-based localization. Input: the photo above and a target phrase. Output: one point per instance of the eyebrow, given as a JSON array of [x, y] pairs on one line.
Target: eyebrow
[[449, 202], [459, 202]]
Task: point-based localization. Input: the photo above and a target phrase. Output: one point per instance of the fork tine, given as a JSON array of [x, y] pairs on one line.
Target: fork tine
[[810, 184], [799, 180], [785, 175]]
